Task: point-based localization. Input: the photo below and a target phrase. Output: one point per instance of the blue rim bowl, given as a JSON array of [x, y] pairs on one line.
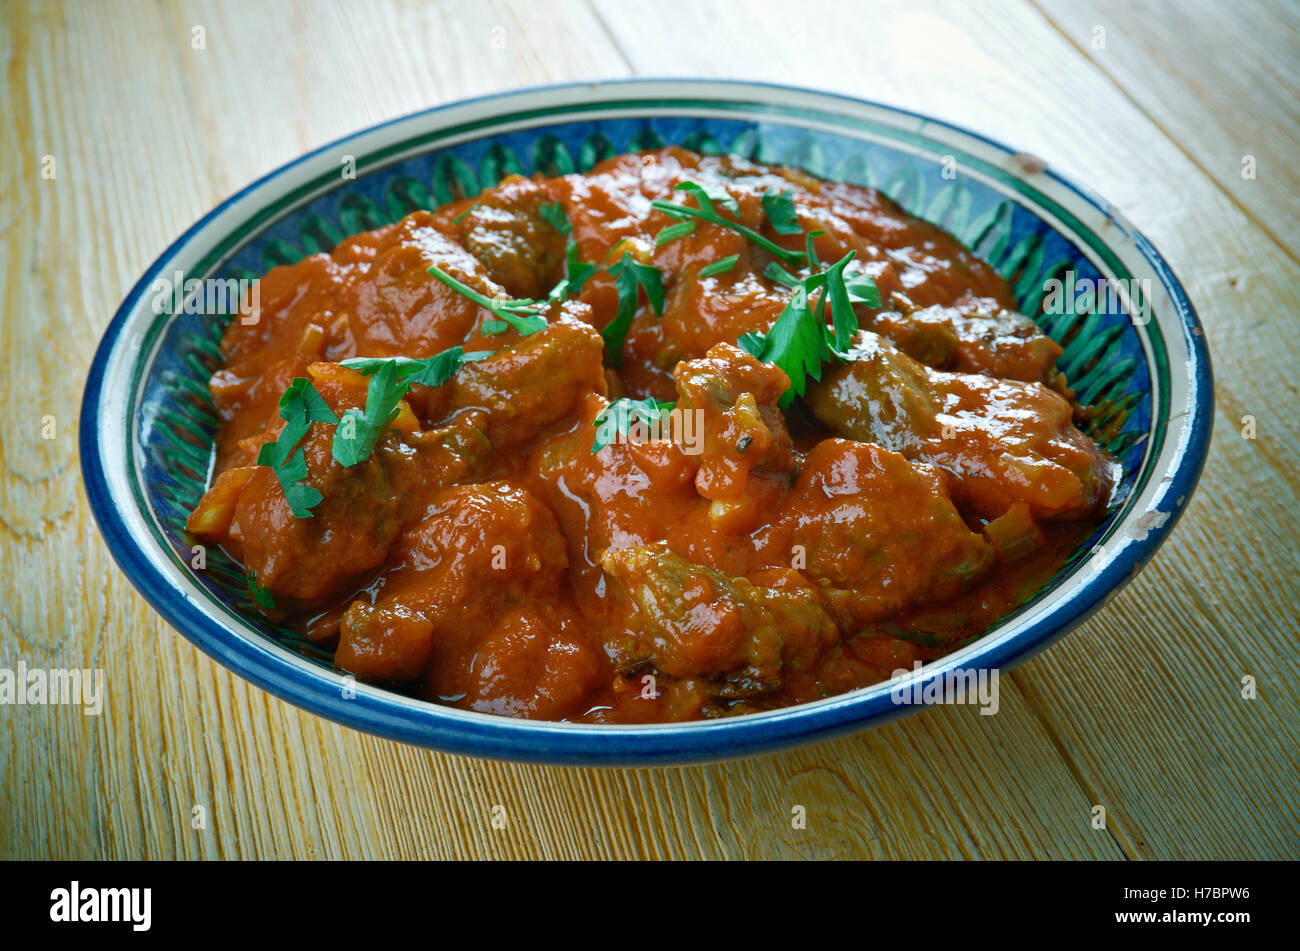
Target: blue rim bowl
[[147, 425]]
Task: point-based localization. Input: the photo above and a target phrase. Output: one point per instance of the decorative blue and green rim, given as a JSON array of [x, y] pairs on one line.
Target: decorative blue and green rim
[[147, 424]]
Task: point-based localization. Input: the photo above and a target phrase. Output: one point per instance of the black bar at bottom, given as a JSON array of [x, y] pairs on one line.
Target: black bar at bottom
[[379, 901]]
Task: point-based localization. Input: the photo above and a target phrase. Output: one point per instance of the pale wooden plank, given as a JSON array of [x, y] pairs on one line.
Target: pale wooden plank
[[1222, 79]]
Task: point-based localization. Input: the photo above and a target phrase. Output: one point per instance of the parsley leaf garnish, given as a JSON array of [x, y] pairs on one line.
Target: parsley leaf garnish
[[800, 342], [706, 212], [862, 290], [390, 380], [673, 232], [721, 266], [809, 251], [579, 271], [300, 406], [707, 198], [261, 596], [434, 371], [616, 419], [524, 315], [843, 320], [359, 430], [796, 343], [781, 213], [461, 217], [779, 275], [629, 273], [553, 212]]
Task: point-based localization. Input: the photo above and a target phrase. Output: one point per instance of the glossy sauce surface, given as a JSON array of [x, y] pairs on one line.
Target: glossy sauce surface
[[751, 557]]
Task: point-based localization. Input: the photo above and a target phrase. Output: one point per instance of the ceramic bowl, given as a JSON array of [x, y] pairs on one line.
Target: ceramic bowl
[[147, 423]]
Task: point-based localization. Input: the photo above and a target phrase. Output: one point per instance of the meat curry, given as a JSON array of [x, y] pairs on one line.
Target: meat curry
[[681, 437]]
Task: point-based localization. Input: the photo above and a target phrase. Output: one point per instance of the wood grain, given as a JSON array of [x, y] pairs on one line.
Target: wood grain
[[1139, 710], [1221, 79]]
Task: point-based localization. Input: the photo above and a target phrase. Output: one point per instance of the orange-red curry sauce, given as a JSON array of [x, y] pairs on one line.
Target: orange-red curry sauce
[[485, 557]]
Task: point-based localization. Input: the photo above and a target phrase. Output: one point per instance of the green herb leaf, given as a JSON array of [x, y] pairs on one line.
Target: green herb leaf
[[300, 406], [302, 403], [261, 596], [615, 420], [799, 342], [708, 198], [781, 213], [809, 251], [774, 272], [843, 319], [682, 212], [796, 343], [553, 212], [525, 323], [358, 431], [719, 267], [302, 498], [524, 315], [579, 271], [434, 371], [672, 232], [461, 217], [862, 290], [629, 273]]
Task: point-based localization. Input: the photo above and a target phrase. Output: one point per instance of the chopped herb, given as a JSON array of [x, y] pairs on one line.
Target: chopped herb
[[524, 315], [744, 443], [800, 342], [708, 199], [434, 371], [629, 273], [862, 290], [843, 320], [461, 217], [781, 213], [261, 596], [616, 419], [300, 406], [796, 343], [682, 212], [358, 431], [579, 271], [672, 232], [553, 212], [809, 251], [719, 267], [303, 404], [774, 272]]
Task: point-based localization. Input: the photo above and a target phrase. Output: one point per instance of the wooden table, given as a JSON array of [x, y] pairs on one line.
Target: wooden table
[[1157, 106]]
